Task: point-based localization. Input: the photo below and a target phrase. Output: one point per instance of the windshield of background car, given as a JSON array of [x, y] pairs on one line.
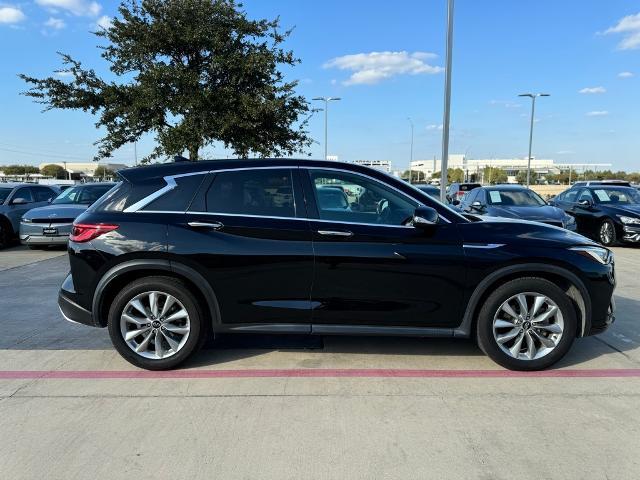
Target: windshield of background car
[[515, 198], [4, 193], [84, 195], [619, 195]]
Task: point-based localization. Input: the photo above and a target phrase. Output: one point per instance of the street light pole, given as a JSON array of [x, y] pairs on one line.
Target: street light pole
[[447, 105], [326, 101], [533, 97], [411, 151]]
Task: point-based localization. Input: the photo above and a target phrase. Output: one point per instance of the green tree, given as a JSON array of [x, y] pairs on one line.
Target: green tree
[[103, 172], [53, 170], [494, 175], [521, 177], [191, 72], [19, 169], [453, 175]]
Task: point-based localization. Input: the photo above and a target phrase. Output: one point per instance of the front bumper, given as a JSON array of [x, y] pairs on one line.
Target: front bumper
[[631, 233]]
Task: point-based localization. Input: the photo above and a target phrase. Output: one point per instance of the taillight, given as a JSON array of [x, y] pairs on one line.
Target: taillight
[[84, 232], [460, 193]]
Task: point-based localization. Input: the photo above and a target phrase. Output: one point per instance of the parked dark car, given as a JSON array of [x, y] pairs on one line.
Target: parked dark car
[[456, 191], [51, 225], [15, 200], [515, 201], [592, 183], [431, 190], [608, 213], [178, 251]]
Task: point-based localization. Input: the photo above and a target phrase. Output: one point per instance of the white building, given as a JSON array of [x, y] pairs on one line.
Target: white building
[[86, 169], [384, 165], [511, 166]]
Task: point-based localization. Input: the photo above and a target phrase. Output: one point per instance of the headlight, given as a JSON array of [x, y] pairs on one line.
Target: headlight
[[624, 219], [599, 254], [25, 220], [569, 220]]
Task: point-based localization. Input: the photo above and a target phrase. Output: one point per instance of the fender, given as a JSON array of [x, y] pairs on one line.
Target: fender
[[464, 330], [178, 268]]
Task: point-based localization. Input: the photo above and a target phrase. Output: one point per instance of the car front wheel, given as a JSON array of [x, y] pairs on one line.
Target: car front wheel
[[607, 232], [527, 324], [155, 323]]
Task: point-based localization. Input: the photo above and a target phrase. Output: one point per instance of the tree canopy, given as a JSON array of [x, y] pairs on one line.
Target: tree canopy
[[19, 169], [190, 72], [494, 175], [53, 170]]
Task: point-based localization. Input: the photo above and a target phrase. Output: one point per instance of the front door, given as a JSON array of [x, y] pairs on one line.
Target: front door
[[371, 267]]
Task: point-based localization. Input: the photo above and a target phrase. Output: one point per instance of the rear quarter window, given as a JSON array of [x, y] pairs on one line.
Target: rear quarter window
[[179, 198]]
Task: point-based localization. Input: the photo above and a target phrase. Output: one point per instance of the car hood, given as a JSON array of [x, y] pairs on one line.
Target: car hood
[[631, 210], [538, 213], [56, 211], [505, 231]]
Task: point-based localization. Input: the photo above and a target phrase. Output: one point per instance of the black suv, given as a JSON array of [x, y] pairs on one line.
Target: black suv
[[177, 252]]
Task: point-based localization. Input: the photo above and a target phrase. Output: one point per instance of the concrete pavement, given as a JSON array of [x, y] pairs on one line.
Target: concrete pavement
[[297, 427]]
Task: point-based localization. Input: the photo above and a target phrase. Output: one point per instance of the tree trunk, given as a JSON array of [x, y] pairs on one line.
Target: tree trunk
[[193, 152]]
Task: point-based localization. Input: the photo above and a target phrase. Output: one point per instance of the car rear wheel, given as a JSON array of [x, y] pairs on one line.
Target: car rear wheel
[[527, 324], [607, 232], [155, 323]]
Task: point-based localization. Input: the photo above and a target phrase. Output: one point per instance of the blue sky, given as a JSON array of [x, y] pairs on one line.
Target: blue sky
[[385, 59]]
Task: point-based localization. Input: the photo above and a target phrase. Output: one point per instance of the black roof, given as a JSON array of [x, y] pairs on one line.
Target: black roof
[[160, 170]]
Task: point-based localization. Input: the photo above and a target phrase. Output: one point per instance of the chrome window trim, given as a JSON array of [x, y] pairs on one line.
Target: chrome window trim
[[483, 245], [171, 184]]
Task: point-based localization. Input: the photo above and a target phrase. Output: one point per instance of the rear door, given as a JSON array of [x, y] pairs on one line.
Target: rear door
[[248, 234], [373, 269]]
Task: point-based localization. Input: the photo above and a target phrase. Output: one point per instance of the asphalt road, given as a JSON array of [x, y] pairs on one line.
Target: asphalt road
[[343, 408]]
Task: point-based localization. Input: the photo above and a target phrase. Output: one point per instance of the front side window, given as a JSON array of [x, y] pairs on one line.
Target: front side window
[[260, 192], [356, 199], [570, 196], [4, 193], [585, 195], [25, 194], [43, 194]]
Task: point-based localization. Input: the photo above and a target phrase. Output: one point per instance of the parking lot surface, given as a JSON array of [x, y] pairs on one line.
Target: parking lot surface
[[333, 407]]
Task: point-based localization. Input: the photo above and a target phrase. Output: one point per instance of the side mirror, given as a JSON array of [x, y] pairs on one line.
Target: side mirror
[[477, 206], [424, 217], [585, 204], [455, 203], [19, 201]]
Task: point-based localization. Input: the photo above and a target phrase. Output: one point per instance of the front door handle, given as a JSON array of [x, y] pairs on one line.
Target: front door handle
[[336, 233], [207, 225]]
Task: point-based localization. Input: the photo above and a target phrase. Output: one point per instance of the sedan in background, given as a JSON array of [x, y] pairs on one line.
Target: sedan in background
[[431, 190], [51, 225], [456, 191], [608, 213], [515, 201], [15, 200]]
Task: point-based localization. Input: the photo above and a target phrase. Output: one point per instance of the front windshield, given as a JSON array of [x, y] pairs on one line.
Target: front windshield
[[515, 198], [619, 195], [81, 195], [4, 193]]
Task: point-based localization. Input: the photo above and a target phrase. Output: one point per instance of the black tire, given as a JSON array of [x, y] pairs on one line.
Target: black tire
[[603, 238], [36, 247], [173, 287], [6, 234], [485, 333]]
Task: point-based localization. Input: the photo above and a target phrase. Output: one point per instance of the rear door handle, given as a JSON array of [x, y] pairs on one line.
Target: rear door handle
[[206, 225], [336, 233]]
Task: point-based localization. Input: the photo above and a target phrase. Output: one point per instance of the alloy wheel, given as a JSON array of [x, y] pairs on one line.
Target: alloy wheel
[[606, 233], [528, 326], [155, 325]]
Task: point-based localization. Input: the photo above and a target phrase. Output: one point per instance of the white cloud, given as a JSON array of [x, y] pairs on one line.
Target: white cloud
[[64, 73], [434, 126], [597, 113], [625, 74], [55, 23], [79, 8], [105, 22], [373, 67], [505, 103], [593, 90], [629, 27], [565, 152], [11, 15]]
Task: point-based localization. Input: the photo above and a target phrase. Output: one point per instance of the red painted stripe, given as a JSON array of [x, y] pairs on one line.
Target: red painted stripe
[[314, 373]]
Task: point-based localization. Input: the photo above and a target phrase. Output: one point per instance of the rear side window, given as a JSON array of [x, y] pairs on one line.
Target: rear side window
[[262, 192], [114, 200], [179, 198]]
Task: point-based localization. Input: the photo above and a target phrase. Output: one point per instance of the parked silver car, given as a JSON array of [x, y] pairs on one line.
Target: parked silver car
[[15, 200], [51, 225]]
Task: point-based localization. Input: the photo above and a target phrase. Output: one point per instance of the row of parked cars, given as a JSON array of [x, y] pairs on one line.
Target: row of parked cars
[[42, 215], [607, 211]]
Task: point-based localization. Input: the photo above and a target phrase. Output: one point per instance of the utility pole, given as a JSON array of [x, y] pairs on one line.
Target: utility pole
[[326, 101], [533, 97], [447, 104]]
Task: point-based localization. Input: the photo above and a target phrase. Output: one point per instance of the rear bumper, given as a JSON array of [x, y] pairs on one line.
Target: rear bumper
[[44, 240], [73, 312]]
